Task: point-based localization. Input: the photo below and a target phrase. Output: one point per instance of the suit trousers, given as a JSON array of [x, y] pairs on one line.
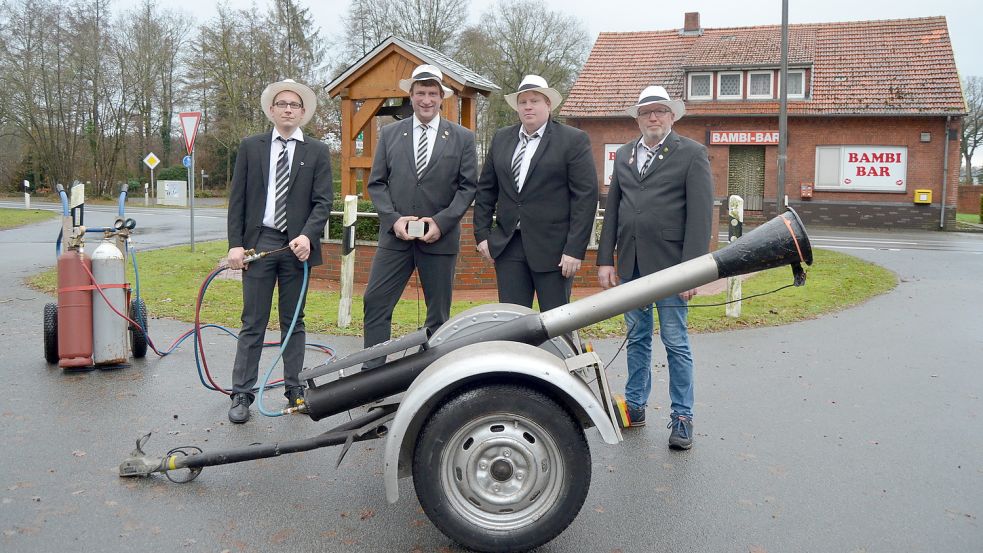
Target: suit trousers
[[284, 270], [517, 282], [391, 270]]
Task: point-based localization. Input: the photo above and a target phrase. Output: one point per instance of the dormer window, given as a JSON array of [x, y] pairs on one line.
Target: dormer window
[[760, 85], [796, 84], [701, 86], [730, 86]]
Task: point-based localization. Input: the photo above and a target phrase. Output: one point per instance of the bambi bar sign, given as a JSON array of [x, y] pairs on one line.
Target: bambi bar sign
[[744, 137]]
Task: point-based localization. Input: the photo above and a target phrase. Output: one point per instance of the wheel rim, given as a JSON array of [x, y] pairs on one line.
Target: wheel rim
[[502, 471]]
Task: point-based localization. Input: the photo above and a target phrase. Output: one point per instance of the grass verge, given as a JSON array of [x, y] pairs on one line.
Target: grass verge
[[170, 279], [11, 218]]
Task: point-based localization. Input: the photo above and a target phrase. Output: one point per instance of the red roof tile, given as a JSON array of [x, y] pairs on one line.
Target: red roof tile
[[891, 67]]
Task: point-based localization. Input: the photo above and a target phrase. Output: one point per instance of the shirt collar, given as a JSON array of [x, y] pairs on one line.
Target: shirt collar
[[433, 124], [642, 147], [297, 135], [541, 131]]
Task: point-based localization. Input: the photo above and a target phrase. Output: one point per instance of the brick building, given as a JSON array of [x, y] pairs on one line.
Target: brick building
[[874, 112]]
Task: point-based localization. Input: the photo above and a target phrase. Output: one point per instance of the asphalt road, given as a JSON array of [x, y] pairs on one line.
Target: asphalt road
[[857, 432]]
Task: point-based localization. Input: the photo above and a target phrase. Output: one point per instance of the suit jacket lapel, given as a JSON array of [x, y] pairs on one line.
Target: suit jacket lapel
[[405, 133], [509, 152], [443, 129], [264, 154], [669, 146], [544, 142], [300, 154]]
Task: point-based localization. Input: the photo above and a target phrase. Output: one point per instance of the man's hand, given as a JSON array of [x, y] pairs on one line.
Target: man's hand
[[483, 250], [568, 265], [399, 227], [687, 295], [236, 255], [301, 246], [607, 277], [433, 231]]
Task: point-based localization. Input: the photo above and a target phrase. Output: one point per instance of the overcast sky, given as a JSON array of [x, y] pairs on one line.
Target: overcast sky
[[963, 16]]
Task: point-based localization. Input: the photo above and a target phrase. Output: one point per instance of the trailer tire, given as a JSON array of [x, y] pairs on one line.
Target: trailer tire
[[51, 332], [501, 468], [138, 339]]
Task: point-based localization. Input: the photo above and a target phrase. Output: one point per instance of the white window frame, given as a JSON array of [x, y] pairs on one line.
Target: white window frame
[[740, 85], [795, 96], [689, 86], [771, 85]]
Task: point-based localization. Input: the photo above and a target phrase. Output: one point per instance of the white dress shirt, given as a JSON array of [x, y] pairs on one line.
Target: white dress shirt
[[531, 147], [642, 152], [275, 147], [431, 135]]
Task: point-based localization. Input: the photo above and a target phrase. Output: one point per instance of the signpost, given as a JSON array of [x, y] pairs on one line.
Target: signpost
[[189, 128], [150, 161], [27, 194]]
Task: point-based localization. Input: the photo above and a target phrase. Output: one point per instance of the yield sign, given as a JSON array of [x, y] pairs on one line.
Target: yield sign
[[189, 127]]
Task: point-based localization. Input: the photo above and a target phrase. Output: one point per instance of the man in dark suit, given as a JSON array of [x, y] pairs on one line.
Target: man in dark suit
[[658, 213], [280, 199], [539, 180], [422, 182]]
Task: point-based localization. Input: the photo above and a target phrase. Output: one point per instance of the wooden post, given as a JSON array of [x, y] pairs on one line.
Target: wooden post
[[347, 272], [735, 209]]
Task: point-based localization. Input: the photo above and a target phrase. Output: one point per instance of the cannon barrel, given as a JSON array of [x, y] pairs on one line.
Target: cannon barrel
[[779, 242]]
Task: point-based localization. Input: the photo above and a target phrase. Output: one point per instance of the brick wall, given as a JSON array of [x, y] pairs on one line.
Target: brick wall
[[805, 133], [969, 198]]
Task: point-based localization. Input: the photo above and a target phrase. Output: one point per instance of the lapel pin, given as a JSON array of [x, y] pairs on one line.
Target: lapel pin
[[404, 134], [631, 160], [666, 149], [301, 163], [660, 156]]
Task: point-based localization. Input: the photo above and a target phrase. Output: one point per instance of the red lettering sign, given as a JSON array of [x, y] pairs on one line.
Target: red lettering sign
[[744, 137]]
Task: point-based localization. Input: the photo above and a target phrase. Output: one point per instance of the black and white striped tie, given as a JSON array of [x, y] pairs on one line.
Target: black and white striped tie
[[648, 162], [282, 178], [421, 152], [520, 154]]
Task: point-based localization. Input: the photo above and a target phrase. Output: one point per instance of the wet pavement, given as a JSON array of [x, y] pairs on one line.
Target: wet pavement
[[857, 432]]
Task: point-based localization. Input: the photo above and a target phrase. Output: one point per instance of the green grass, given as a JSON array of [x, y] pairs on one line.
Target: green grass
[[170, 279], [968, 218], [11, 218]]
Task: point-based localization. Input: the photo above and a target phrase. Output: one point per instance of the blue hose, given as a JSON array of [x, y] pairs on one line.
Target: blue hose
[[283, 346]]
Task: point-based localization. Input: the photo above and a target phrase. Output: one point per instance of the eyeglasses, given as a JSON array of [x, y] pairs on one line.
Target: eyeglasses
[[661, 111], [291, 105]]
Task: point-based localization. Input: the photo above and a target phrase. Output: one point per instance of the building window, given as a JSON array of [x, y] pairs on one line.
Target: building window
[[700, 86], [796, 84], [729, 85], [862, 168], [759, 84]]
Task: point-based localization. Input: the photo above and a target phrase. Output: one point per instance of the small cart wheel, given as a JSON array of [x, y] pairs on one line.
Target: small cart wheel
[[138, 338], [501, 468], [51, 332]]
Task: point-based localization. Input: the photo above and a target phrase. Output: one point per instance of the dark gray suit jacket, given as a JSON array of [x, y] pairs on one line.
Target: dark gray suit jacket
[[444, 191], [556, 205], [662, 219], [308, 200]]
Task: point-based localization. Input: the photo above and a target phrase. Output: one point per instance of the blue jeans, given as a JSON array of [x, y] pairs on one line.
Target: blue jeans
[[672, 330]]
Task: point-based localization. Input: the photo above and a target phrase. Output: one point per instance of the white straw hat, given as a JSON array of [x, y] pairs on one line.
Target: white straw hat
[[535, 83], [307, 97], [658, 95], [425, 72]]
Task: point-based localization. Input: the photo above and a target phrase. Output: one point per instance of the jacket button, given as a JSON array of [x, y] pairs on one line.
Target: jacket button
[[639, 211]]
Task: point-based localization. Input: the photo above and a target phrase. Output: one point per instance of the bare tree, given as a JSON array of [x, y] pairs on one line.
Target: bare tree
[[433, 23], [520, 37], [972, 136]]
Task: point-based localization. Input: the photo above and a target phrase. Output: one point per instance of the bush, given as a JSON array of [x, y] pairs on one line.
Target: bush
[[366, 228], [174, 172]]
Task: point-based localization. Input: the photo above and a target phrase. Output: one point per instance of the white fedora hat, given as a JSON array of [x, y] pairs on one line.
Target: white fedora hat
[[425, 72], [535, 83], [658, 95], [307, 97]]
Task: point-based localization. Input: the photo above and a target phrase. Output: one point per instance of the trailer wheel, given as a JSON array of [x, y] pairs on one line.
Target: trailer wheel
[[501, 468], [51, 332], [138, 339]]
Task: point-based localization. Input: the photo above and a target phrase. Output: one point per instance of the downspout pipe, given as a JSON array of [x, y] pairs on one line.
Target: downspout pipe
[[945, 169]]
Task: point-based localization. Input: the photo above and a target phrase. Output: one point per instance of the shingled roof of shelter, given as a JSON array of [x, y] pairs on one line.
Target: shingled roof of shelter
[[889, 67], [447, 65]]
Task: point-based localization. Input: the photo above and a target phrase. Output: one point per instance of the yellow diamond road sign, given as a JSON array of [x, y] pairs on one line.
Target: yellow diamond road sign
[[151, 160]]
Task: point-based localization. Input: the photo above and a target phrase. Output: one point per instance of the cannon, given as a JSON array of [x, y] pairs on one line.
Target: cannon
[[488, 414]]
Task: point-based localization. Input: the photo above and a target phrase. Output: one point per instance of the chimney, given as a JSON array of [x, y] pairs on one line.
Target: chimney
[[691, 25]]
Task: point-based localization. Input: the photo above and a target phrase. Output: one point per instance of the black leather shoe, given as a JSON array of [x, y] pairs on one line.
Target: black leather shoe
[[295, 396], [239, 412]]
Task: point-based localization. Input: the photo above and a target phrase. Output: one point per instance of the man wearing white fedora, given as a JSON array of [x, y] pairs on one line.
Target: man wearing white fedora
[[539, 181], [422, 182], [658, 214], [280, 198]]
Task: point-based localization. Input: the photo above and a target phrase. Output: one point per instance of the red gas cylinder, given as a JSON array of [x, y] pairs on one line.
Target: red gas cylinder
[[74, 310]]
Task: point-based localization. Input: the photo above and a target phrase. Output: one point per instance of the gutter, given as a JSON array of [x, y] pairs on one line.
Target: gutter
[[945, 170]]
